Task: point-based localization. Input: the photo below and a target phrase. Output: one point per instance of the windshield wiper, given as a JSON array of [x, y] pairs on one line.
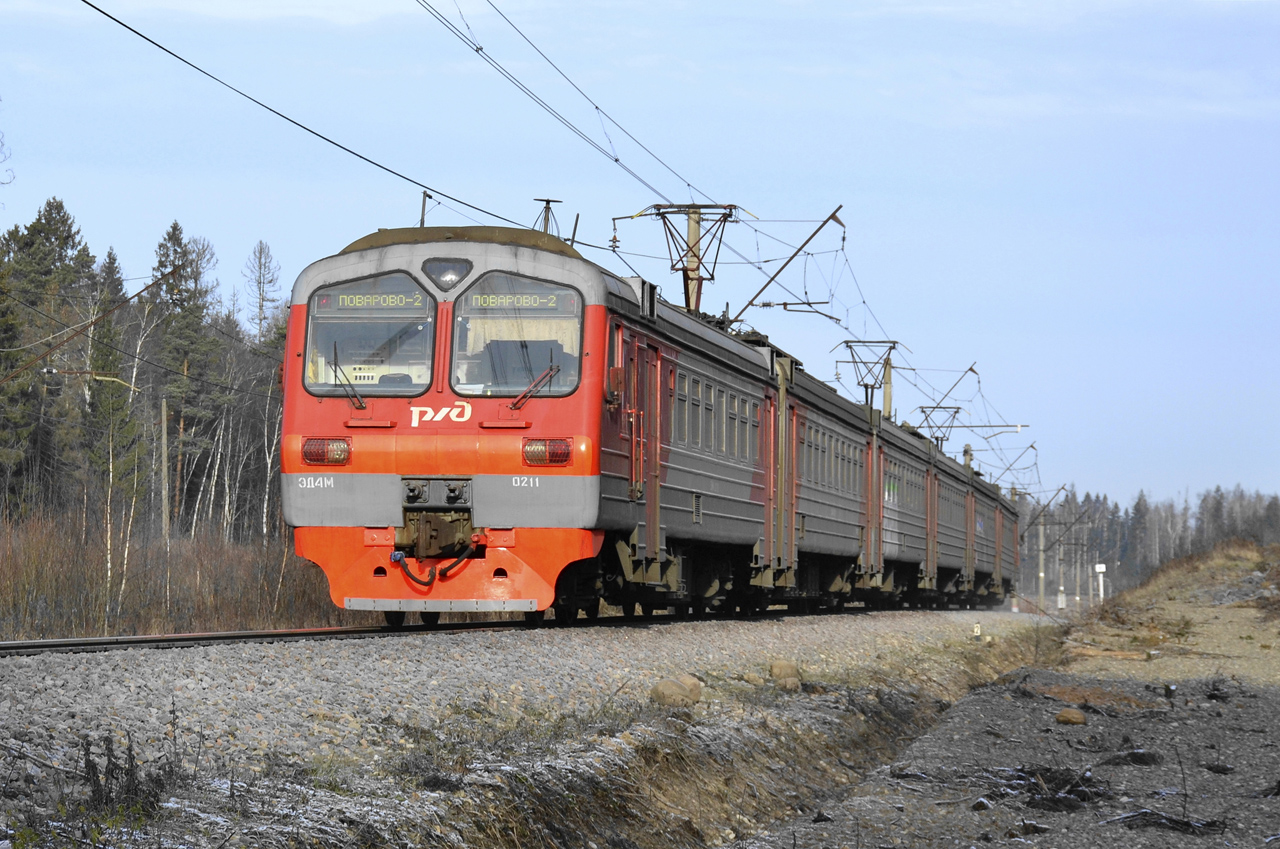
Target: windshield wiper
[[538, 382], [348, 388]]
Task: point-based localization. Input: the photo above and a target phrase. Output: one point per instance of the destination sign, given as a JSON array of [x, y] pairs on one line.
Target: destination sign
[[390, 301], [553, 302], [394, 292]]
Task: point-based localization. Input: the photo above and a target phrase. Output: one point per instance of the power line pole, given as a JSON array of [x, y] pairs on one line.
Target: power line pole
[[1075, 571], [1062, 588], [693, 260], [1088, 534], [1040, 600]]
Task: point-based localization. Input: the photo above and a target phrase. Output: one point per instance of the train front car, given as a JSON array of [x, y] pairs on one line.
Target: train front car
[[442, 405]]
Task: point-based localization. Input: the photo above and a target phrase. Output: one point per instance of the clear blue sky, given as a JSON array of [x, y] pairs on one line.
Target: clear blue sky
[[1083, 198]]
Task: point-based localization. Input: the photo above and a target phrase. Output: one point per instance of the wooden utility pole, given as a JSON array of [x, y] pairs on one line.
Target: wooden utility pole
[[164, 471]]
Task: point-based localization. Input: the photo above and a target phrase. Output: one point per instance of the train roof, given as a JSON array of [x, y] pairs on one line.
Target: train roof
[[495, 235]]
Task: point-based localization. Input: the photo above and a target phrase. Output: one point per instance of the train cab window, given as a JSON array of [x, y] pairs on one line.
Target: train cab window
[[375, 336], [511, 332]]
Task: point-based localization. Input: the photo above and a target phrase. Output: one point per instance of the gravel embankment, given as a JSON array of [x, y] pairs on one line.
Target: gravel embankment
[[235, 706]]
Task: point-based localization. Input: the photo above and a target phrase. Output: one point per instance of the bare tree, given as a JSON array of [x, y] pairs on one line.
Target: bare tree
[[7, 176], [262, 273]]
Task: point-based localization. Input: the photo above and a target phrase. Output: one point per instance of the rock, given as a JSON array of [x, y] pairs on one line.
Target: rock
[[981, 805], [781, 669], [790, 685], [1137, 757], [1071, 716], [672, 693], [753, 679], [482, 778], [692, 684]]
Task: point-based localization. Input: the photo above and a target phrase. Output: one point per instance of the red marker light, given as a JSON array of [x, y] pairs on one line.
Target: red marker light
[[326, 452], [548, 452]]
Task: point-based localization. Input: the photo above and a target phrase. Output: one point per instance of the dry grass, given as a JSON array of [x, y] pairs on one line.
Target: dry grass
[[200, 584], [1188, 578], [1196, 617]]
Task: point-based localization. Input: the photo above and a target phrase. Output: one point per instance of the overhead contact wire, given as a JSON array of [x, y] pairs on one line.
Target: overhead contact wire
[[532, 95], [299, 124]]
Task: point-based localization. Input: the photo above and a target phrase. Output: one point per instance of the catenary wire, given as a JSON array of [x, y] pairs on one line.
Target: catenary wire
[[532, 95], [296, 123]]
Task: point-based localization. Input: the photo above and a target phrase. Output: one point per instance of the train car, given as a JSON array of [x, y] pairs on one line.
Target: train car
[[479, 419]]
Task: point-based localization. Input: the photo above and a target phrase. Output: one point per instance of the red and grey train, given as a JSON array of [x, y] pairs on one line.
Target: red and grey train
[[479, 419]]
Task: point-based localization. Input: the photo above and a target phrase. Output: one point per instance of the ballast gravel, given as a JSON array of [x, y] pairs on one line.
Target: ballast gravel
[[234, 707]]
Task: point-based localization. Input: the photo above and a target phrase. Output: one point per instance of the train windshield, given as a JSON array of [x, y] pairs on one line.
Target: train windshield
[[375, 336], [511, 332]]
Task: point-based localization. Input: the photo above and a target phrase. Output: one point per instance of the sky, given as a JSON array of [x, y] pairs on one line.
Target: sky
[[1080, 198]]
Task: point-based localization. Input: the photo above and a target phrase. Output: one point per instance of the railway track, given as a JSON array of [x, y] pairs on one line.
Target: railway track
[[17, 648]]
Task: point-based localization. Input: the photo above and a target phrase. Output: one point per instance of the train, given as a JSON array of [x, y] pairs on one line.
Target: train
[[479, 419]]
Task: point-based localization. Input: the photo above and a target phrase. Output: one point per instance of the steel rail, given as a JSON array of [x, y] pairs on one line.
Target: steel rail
[[16, 648], [80, 645]]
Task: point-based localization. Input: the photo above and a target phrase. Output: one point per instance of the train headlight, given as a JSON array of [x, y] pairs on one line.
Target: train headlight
[[548, 452], [326, 452]]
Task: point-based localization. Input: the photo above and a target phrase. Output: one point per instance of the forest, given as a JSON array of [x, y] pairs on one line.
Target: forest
[[1079, 533], [139, 453]]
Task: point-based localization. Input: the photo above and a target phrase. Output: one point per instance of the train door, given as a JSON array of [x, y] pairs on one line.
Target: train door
[[650, 394], [788, 550], [764, 561], [644, 416], [781, 535], [930, 579], [999, 547], [970, 540], [872, 567]]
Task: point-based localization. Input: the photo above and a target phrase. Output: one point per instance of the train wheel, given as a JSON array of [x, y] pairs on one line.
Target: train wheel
[[566, 615], [534, 618], [429, 617], [395, 618], [593, 610]]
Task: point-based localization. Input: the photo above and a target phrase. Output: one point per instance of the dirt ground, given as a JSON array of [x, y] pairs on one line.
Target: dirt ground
[[1177, 687]]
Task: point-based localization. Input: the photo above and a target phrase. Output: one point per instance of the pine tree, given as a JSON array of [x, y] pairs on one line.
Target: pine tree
[[187, 351], [49, 268], [1271, 522], [16, 416]]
